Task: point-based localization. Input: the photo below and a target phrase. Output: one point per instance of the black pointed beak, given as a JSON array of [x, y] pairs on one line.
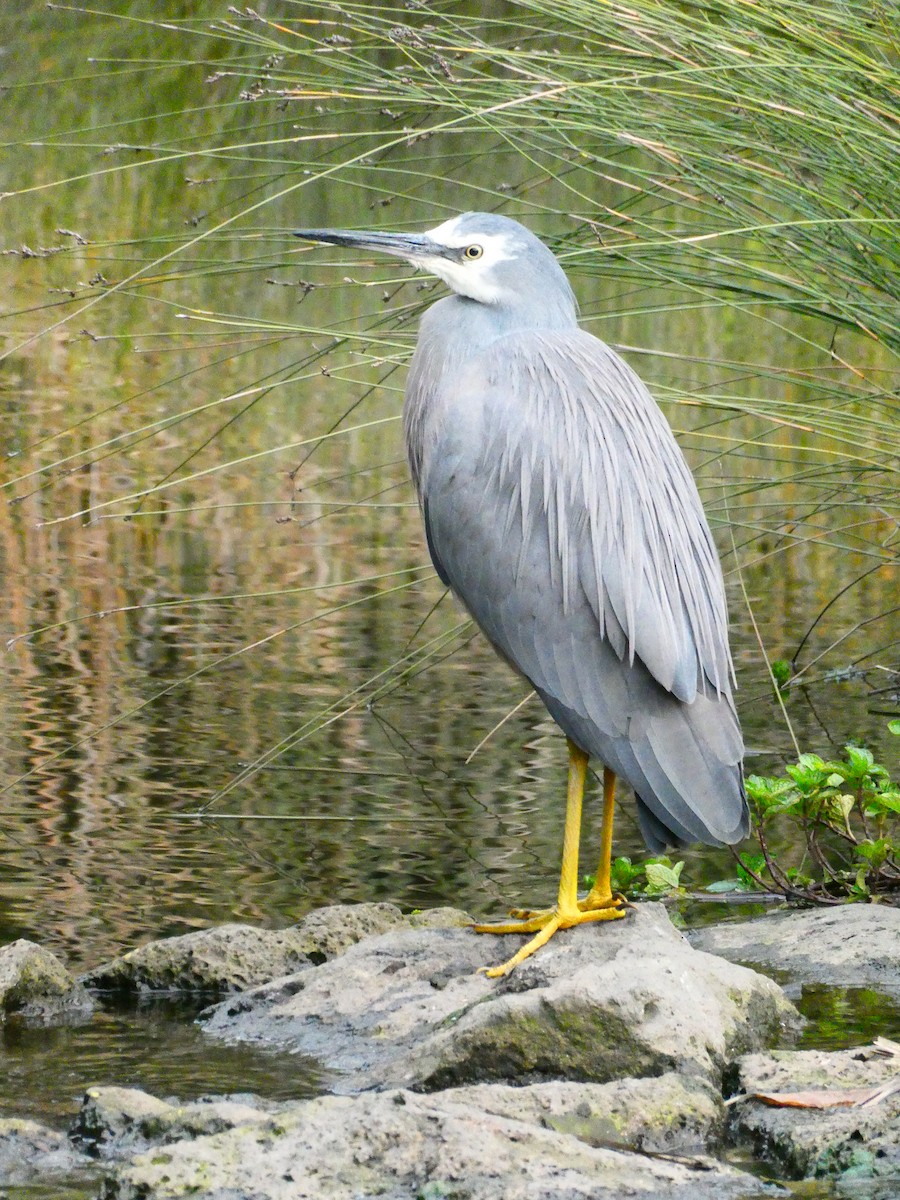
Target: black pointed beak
[[414, 247]]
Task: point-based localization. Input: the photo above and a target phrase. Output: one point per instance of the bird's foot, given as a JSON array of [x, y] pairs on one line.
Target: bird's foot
[[544, 924], [592, 902]]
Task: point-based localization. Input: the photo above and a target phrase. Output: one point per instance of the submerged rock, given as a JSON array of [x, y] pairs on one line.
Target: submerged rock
[[403, 1146], [230, 958], [598, 1003], [35, 984], [850, 945], [848, 1143]]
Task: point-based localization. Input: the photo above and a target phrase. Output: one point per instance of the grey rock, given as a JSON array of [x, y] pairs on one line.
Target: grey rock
[[847, 1143], [598, 1003], [665, 1114], [438, 918], [230, 958], [399, 1145], [35, 984], [114, 1118], [115, 1121], [29, 1151], [852, 945]]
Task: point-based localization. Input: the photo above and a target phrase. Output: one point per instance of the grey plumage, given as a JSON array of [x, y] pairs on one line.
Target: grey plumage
[[560, 510]]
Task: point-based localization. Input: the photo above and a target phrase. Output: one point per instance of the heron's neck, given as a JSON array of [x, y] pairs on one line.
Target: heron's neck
[[453, 331], [469, 324]]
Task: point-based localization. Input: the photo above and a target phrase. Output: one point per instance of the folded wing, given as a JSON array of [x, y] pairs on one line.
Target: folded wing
[[560, 510]]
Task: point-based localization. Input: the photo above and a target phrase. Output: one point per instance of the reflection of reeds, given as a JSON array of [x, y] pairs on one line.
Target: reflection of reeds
[[719, 180]]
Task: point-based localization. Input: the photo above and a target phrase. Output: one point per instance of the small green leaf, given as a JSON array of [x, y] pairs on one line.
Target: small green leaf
[[859, 887], [770, 795], [860, 759], [810, 762], [662, 878], [750, 862], [874, 853], [799, 878], [880, 803], [894, 727]]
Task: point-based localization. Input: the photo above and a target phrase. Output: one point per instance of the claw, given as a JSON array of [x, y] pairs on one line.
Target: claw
[[543, 925]]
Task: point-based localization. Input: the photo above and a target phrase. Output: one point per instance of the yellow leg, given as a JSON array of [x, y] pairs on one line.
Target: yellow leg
[[600, 895], [568, 910]]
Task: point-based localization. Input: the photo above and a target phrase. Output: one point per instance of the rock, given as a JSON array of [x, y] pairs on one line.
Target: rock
[[230, 958], [399, 1145], [34, 983], [598, 1003], [114, 1118], [666, 1114], [438, 918], [114, 1121], [29, 1151], [849, 1143], [850, 945]]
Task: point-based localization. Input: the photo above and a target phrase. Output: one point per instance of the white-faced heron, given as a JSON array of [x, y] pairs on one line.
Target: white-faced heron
[[560, 510]]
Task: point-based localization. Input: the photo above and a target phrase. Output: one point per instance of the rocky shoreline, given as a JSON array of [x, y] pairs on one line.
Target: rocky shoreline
[[621, 1060]]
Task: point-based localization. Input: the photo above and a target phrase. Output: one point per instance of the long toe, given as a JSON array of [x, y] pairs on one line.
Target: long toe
[[534, 922], [528, 914], [544, 925], [595, 903]]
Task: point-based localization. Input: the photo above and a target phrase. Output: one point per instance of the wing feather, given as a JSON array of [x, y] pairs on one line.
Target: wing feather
[[561, 511]]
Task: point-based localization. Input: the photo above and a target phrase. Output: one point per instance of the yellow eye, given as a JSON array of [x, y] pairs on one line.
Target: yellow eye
[[473, 252]]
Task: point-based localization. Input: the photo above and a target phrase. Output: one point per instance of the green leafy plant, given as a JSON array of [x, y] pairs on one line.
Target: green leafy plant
[[781, 673], [840, 821], [848, 813], [655, 876]]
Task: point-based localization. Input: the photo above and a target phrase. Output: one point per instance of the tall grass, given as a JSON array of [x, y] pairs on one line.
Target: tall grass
[[732, 158]]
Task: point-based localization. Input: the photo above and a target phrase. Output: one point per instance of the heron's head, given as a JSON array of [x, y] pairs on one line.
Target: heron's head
[[485, 257]]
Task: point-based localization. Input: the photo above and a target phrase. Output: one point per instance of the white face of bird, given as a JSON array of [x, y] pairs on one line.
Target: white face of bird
[[471, 270]]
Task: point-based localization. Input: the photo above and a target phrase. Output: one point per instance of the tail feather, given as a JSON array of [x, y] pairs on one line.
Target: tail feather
[[683, 761]]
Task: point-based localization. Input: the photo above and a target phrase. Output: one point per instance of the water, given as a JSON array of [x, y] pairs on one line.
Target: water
[[153, 1045], [159, 647]]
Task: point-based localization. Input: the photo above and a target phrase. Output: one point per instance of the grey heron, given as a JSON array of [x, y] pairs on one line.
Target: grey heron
[[560, 510]]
